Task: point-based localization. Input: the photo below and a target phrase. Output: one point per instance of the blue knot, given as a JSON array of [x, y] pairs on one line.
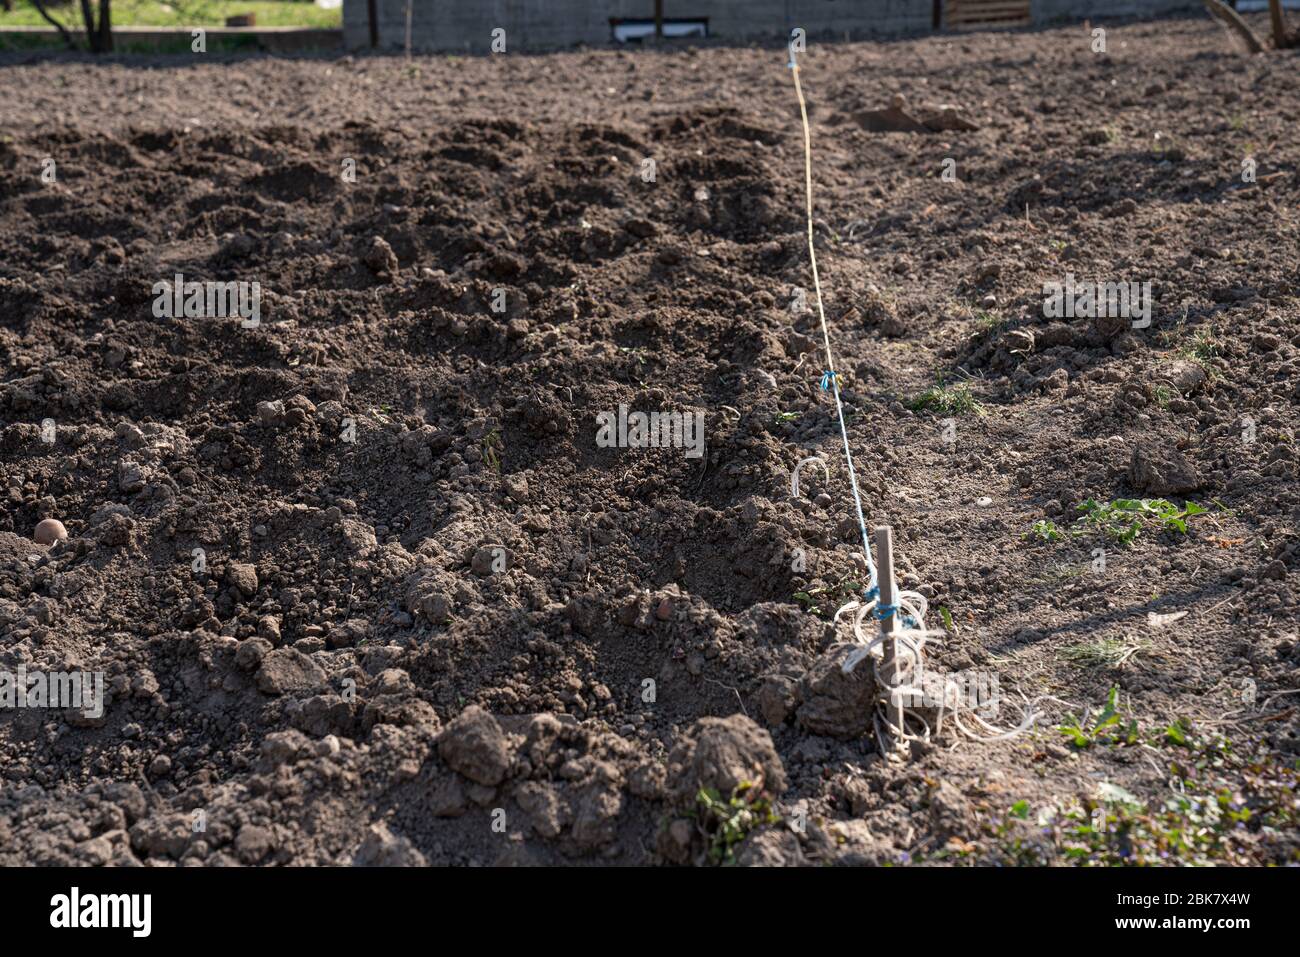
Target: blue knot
[[792, 65], [827, 378], [885, 611]]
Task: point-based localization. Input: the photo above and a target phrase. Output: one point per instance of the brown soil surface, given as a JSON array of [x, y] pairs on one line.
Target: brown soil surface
[[433, 643]]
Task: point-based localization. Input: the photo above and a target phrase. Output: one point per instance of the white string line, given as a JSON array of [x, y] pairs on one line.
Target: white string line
[[912, 637], [821, 313]]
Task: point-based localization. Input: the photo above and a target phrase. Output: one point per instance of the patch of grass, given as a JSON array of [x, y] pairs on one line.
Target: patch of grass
[[1058, 573], [1103, 653], [726, 822], [986, 323], [945, 400], [781, 417], [1200, 347], [183, 13]]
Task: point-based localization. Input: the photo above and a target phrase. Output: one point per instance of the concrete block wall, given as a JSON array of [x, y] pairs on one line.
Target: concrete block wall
[[539, 24]]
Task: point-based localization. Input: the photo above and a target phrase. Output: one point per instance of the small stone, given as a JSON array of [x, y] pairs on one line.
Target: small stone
[[383, 848], [777, 698], [160, 767], [288, 671], [381, 259], [487, 559], [269, 413], [475, 746], [115, 530], [243, 577], [130, 478], [641, 228], [48, 531], [1162, 471], [250, 653], [359, 537], [516, 486], [252, 843], [269, 628]]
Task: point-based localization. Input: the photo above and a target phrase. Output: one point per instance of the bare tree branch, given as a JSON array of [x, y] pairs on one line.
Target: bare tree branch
[[1229, 17], [67, 37]]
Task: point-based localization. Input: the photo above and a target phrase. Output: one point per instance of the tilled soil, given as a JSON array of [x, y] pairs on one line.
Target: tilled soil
[[432, 620]]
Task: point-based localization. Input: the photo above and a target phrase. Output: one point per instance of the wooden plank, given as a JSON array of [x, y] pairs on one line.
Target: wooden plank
[[983, 14]]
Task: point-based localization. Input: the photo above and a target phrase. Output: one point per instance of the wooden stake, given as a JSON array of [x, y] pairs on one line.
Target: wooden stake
[[408, 31], [884, 547], [1278, 19]]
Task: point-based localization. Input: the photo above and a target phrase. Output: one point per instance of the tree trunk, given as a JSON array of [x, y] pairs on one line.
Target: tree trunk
[[88, 20], [105, 26], [1279, 23]]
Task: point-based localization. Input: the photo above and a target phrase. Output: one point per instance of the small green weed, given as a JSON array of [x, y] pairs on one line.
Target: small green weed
[[492, 448], [725, 823]]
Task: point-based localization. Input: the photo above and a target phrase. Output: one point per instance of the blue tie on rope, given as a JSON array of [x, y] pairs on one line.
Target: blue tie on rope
[[827, 378], [888, 611]]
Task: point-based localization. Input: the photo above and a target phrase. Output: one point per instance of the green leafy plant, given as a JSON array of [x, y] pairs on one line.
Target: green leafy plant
[[822, 599], [1046, 531], [1109, 728], [726, 822], [1123, 519]]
